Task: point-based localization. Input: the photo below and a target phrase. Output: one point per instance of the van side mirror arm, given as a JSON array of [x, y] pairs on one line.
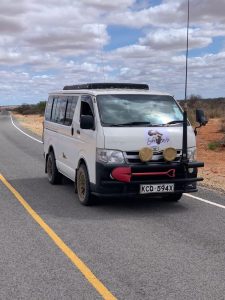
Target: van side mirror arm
[[195, 130]]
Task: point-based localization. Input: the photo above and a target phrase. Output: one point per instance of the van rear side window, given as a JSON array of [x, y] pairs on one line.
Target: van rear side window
[[48, 109], [60, 109]]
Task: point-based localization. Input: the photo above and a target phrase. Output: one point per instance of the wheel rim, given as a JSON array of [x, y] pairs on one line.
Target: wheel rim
[[81, 185], [49, 168]]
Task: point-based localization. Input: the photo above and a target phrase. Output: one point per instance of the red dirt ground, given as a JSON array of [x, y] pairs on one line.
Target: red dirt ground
[[214, 170]]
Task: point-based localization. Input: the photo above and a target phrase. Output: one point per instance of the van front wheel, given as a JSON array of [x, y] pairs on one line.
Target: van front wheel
[[83, 186]]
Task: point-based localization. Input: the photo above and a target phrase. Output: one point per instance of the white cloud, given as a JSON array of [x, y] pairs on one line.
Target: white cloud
[[162, 15], [8, 8], [45, 45], [206, 11], [109, 5], [9, 25], [71, 41], [174, 39]]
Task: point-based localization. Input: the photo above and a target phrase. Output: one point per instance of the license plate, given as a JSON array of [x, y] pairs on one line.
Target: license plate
[[156, 188]]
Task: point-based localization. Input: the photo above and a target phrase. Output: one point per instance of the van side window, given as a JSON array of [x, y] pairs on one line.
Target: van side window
[[55, 102], [86, 106], [48, 108], [71, 105], [62, 110], [59, 110]]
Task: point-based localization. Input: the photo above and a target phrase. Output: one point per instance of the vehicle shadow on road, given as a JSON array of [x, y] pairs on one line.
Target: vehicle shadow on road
[[61, 201]]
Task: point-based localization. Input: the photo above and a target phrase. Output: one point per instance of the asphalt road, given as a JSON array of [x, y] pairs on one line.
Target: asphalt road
[[138, 249]]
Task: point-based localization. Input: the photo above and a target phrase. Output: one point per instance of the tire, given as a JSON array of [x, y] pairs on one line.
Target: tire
[[54, 177], [173, 197], [83, 186]]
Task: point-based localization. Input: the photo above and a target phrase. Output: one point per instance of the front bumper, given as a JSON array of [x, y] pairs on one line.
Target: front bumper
[[185, 178]]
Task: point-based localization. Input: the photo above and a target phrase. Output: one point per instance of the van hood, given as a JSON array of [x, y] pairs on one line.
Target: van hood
[[135, 138]]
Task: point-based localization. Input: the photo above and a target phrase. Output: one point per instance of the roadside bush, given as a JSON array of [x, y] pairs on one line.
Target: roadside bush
[[214, 145], [41, 107], [22, 109], [31, 109]]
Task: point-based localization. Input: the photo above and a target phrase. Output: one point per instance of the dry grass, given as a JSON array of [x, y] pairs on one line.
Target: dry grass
[[32, 122], [213, 108]]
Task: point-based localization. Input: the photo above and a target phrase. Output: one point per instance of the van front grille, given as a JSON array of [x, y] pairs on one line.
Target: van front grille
[[132, 157]]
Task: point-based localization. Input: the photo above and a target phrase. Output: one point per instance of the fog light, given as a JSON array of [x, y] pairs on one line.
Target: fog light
[[191, 170], [169, 154], [145, 154]]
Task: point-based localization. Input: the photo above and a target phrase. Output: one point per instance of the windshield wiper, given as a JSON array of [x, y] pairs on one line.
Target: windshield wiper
[[128, 124], [174, 122], [149, 124], [171, 122]]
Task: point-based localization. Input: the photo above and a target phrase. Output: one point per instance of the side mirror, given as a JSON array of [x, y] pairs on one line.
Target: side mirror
[[200, 117], [87, 122]]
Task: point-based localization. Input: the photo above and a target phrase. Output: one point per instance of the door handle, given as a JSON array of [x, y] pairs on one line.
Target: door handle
[[78, 131]]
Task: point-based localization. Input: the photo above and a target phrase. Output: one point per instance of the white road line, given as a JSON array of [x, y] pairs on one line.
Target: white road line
[[206, 201], [31, 137]]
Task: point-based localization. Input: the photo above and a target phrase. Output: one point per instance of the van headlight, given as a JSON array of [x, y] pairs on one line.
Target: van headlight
[[192, 154], [109, 156]]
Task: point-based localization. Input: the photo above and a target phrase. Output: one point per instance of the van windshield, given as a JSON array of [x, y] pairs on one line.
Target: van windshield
[[138, 110]]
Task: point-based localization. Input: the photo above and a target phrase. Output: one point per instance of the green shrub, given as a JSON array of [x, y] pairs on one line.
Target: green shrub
[[214, 145]]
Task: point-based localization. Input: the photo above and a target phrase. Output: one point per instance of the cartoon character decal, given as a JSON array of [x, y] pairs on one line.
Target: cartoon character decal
[[156, 137]]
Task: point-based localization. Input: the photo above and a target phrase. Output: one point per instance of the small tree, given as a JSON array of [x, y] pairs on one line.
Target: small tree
[[41, 107], [194, 97]]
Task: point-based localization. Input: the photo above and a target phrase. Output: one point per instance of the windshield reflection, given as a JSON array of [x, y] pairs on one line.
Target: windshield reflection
[[138, 110]]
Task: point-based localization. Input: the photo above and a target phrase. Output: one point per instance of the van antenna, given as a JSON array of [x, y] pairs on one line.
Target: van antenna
[[185, 135], [101, 52], [187, 46]]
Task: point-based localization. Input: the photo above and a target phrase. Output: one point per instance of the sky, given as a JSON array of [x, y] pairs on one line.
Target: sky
[[45, 45]]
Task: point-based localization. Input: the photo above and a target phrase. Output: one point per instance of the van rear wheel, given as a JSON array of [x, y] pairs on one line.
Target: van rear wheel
[[83, 186], [54, 176]]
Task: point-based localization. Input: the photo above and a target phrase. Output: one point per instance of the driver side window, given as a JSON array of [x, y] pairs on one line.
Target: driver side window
[[86, 106]]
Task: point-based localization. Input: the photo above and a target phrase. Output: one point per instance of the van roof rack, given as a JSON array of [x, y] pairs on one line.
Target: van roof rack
[[93, 86]]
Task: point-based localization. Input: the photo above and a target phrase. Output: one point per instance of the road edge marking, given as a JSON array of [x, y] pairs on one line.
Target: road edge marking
[[81, 266], [204, 200], [31, 137]]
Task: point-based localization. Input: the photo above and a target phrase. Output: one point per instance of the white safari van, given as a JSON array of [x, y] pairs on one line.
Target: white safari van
[[120, 139]]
